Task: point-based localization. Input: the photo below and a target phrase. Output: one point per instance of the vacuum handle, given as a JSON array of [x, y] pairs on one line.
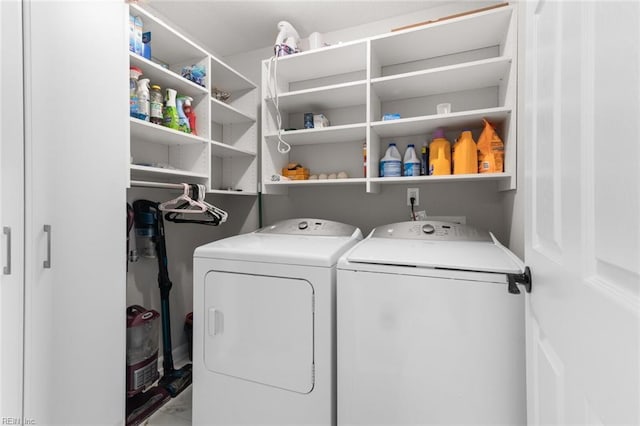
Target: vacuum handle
[[7, 269], [47, 263]]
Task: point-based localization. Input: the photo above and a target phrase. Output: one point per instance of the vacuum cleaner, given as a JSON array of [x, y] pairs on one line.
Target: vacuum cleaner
[[150, 238]]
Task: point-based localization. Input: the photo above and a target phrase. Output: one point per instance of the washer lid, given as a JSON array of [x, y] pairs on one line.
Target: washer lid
[[428, 244], [315, 247]]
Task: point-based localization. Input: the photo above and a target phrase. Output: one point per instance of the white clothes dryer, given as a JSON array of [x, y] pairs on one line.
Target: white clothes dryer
[[264, 325], [428, 333]]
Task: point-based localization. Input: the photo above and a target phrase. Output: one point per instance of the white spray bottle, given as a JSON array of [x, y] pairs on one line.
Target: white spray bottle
[[190, 113], [183, 121], [143, 99]]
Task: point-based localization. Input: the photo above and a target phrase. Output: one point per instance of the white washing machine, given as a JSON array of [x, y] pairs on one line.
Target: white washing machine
[[264, 325], [428, 333]]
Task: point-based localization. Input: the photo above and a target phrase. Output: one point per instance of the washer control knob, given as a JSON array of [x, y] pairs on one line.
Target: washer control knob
[[303, 225], [428, 228]]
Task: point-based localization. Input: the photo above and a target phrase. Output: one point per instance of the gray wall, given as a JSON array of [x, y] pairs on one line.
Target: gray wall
[[480, 202]]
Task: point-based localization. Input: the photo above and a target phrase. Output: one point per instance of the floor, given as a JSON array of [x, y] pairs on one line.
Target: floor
[[176, 412]]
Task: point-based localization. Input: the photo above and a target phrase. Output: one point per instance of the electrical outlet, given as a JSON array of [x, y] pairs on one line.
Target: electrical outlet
[[413, 193]]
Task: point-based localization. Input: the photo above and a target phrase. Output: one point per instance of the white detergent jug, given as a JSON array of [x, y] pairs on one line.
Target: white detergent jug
[[391, 162], [411, 161]]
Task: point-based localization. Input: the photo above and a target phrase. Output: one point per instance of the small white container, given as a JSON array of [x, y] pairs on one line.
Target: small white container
[[443, 108], [315, 41]]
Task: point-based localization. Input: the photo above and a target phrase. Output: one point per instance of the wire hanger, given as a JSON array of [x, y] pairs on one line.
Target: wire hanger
[[183, 203]]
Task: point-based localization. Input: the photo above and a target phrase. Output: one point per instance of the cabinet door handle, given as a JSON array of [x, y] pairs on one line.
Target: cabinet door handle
[[7, 269], [47, 263]]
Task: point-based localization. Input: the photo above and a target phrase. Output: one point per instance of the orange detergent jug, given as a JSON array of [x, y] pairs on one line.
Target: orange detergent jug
[[490, 151], [465, 158], [439, 154], [441, 164]]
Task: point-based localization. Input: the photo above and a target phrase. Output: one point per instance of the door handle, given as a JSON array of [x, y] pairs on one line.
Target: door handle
[[216, 322], [47, 263], [7, 269]]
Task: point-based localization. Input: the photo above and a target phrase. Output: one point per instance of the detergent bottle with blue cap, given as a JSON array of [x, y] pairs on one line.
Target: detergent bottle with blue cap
[[411, 161], [391, 163]]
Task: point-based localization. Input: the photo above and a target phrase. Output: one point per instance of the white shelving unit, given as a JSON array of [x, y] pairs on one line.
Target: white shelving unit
[[468, 61], [223, 154]]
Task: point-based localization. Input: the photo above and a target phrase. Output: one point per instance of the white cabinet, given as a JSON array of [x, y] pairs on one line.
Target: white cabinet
[[11, 210], [223, 155], [75, 218], [468, 61]]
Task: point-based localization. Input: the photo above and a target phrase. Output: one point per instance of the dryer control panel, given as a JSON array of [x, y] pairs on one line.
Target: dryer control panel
[[431, 230], [306, 226]]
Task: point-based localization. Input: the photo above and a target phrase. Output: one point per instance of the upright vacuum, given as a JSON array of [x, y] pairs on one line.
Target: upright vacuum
[[151, 237]]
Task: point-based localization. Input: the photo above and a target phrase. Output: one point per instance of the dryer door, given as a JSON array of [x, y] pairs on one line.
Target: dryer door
[[260, 328]]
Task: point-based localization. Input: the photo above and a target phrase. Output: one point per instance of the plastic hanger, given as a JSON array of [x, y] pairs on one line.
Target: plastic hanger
[[213, 215], [218, 212], [182, 203]]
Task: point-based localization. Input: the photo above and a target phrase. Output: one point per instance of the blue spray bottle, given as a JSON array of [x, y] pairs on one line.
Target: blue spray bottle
[[183, 121]]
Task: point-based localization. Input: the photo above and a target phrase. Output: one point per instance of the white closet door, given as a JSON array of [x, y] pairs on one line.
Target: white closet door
[[76, 76], [583, 216], [11, 210]]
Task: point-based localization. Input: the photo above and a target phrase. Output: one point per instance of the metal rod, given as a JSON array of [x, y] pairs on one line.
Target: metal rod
[[146, 184]]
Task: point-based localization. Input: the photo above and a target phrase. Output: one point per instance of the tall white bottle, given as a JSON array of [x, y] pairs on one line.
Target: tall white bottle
[[391, 163], [144, 106], [411, 161]]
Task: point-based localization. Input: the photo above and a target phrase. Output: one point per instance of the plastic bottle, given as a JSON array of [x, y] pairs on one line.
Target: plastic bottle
[[411, 161], [134, 75], [440, 164], [424, 159], [443, 164], [490, 151], [190, 113], [138, 35], [156, 105], [183, 121], [132, 33], [392, 162], [143, 99], [465, 155], [364, 158], [170, 113], [453, 151]]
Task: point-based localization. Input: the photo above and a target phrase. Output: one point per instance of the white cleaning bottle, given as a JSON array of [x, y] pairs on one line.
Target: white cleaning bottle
[[411, 161], [392, 162], [183, 121], [143, 99]]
